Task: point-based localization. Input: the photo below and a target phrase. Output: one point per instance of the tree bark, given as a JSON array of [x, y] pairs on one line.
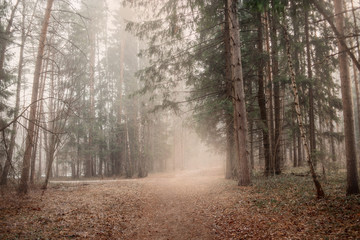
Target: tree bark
[[38, 117], [118, 158], [350, 143], [128, 166], [90, 156], [269, 166], [229, 146], [277, 154], [262, 98], [311, 91], [23, 187], [319, 191], [240, 116], [295, 159], [355, 70], [51, 141]]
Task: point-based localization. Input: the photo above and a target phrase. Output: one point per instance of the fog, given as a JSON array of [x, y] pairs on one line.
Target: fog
[[94, 99]]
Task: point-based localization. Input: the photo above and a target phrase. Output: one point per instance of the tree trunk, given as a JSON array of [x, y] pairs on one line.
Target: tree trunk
[[350, 143], [277, 154], [118, 158], [319, 190], [23, 187], [355, 70], [251, 126], [230, 143], [128, 166], [10, 151], [50, 160], [311, 91], [295, 159], [262, 98], [240, 116], [40, 158], [142, 161], [90, 157], [50, 151], [269, 166], [39, 113]]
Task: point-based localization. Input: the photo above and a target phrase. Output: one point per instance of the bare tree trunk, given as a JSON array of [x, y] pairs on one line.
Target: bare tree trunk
[[40, 158], [269, 166], [10, 151], [23, 188], [128, 166], [39, 113], [350, 143], [239, 96], [50, 160], [142, 163], [90, 156], [118, 159], [319, 190], [295, 159], [300, 152], [355, 70], [78, 151], [229, 167], [262, 98], [229, 146], [311, 91], [251, 126], [33, 156], [277, 155], [50, 151]]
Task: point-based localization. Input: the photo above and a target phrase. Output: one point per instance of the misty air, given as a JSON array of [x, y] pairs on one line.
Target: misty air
[[179, 119]]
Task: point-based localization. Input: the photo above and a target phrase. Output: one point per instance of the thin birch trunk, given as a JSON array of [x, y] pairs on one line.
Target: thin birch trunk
[[319, 190]]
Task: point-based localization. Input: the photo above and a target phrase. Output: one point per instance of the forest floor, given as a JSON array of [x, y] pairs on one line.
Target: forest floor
[[183, 205]]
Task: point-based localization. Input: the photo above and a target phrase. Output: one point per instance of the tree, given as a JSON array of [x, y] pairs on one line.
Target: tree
[[240, 114], [319, 191], [23, 187], [350, 143], [311, 90], [10, 151], [6, 38]]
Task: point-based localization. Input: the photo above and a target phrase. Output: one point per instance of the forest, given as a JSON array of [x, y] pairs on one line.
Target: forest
[[179, 119]]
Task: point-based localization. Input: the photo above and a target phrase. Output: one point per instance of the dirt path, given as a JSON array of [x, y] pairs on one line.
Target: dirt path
[[185, 205], [176, 207], [162, 206], [190, 205]]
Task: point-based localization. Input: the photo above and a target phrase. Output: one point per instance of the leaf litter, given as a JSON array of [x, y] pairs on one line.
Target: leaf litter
[[192, 205]]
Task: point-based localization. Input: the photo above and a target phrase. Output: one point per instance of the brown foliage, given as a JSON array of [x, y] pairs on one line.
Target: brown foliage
[[197, 205]]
